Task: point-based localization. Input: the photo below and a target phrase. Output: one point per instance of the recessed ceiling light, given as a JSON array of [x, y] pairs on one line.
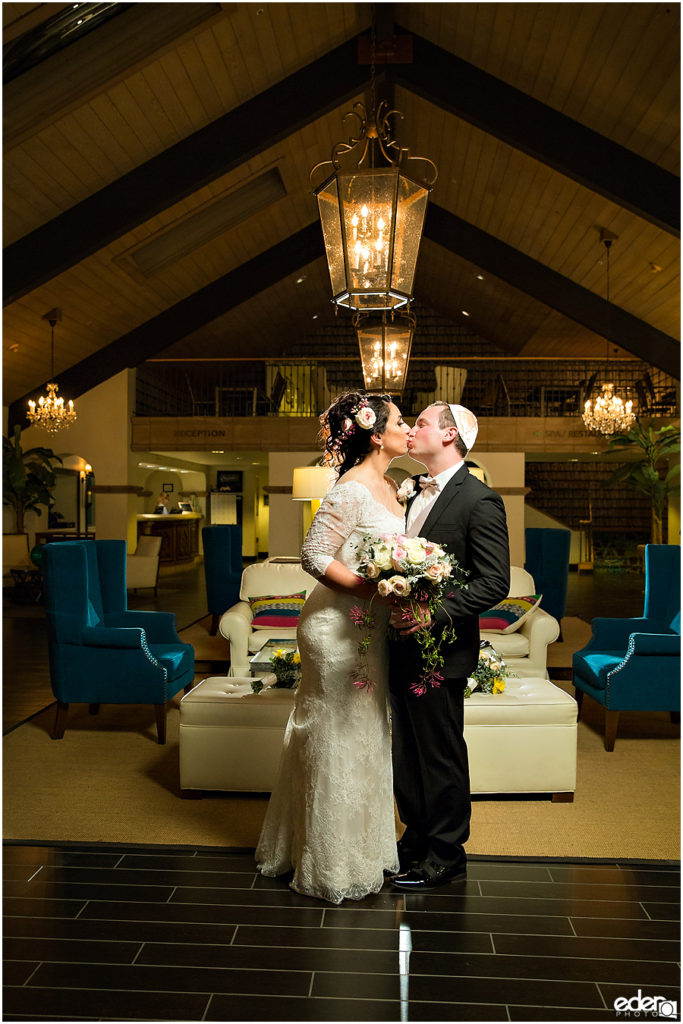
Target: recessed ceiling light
[[464, 312], [315, 316], [479, 277], [300, 280]]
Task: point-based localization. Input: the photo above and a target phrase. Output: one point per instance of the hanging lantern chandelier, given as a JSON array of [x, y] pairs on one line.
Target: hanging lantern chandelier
[[610, 413], [50, 413], [385, 342], [372, 200]]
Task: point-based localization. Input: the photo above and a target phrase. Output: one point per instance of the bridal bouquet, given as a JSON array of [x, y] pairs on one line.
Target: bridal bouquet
[[410, 571], [490, 674]]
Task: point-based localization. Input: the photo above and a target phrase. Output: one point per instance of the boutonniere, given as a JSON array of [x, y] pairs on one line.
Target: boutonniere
[[406, 491]]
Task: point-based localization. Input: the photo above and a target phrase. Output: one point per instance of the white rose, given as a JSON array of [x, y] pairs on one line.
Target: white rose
[[371, 571], [415, 549], [382, 557], [384, 588], [365, 417], [399, 585], [434, 573]]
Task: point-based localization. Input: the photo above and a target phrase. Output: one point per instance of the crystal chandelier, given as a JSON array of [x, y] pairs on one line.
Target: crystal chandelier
[[385, 349], [609, 413], [51, 414]]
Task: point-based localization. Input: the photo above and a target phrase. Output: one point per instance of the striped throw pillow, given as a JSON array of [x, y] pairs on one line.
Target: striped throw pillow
[[276, 611], [508, 615]]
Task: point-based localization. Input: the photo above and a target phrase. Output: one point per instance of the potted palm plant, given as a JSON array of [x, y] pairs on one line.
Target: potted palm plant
[[650, 469], [27, 477]]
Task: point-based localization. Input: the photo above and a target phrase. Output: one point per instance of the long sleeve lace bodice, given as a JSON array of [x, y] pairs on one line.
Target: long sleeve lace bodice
[[347, 513]]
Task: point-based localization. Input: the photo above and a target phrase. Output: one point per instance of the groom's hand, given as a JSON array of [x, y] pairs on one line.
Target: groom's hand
[[407, 619]]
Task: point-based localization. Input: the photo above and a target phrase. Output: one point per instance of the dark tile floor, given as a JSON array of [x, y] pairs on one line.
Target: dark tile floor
[[152, 933]]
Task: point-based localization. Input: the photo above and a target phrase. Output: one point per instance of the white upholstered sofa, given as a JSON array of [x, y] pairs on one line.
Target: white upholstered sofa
[[526, 650], [274, 577]]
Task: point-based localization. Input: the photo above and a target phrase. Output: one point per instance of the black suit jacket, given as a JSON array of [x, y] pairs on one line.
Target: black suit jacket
[[468, 518]]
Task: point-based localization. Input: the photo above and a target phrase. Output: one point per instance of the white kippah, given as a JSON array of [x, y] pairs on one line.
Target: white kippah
[[466, 422]]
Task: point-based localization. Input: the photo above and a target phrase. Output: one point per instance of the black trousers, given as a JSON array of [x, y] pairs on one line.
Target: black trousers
[[431, 771]]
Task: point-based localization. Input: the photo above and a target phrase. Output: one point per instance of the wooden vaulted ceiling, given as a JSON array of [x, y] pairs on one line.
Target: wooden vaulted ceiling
[[548, 122]]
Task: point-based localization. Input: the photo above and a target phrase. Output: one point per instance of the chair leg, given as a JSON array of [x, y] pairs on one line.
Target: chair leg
[[563, 798], [190, 686], [94, 709], [60, 721], [611, 723], [214, 625], [160, 710], [675, 717]]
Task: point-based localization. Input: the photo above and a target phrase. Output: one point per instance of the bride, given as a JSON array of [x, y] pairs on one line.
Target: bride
[[331, 815]]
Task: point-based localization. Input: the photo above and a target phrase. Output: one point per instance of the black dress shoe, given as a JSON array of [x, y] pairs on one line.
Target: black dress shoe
[[429, 875], [408, 857]]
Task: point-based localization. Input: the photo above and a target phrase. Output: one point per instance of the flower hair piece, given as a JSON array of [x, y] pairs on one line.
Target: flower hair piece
[[364, 415]]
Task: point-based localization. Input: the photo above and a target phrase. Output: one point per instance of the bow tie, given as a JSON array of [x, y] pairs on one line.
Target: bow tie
[[428, 483]]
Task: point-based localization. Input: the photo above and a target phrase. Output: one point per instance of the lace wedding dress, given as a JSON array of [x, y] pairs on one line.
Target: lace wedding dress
[[331, 814]]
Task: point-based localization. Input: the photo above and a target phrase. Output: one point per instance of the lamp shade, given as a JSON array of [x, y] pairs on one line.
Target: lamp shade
[[385, 350], [310, 483]]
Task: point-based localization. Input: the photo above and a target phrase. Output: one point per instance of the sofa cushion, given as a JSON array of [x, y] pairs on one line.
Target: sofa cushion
[[509, 614], [509, 645], [276, 611]]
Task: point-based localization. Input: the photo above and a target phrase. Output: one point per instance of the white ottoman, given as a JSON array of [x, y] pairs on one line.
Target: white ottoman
[[522, 740], [231, 738], [519, 741]]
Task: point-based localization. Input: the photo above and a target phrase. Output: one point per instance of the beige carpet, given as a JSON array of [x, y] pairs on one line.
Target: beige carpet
[[206, 647], [109, 781]]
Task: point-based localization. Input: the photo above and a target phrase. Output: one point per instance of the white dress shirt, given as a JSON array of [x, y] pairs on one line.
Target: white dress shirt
[[422, 505]]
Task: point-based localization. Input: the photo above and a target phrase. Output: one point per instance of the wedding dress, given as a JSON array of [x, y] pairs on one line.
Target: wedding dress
[[331, 813]]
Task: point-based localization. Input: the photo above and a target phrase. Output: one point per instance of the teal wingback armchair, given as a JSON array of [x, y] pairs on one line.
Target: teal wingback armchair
[[634, 664], [101, 653]]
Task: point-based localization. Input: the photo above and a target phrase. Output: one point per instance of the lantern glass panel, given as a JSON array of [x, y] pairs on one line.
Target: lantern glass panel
[[328, 207], [384, 353], [412, 207], [368, 220]]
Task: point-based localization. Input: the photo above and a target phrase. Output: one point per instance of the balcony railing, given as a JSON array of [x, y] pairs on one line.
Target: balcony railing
[[490, 387]]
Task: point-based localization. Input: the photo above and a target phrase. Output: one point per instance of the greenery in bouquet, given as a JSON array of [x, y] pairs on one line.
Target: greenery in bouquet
[[409, 571], [490, 674], [287, 668]]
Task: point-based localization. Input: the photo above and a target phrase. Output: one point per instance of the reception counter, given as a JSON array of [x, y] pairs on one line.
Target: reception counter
[[179, 535]]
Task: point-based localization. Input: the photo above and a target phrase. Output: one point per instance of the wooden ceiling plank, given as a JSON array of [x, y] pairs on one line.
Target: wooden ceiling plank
[[184, 316], [551, 288], [180, 170], [543, 133]]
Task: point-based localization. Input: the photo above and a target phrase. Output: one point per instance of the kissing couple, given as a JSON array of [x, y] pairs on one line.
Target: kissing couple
[[331, 817]]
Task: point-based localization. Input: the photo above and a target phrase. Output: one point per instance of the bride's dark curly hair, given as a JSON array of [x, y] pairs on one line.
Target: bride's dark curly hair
[[346, 443]]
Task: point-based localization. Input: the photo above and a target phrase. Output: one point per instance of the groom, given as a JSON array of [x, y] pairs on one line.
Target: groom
[[431, 773]]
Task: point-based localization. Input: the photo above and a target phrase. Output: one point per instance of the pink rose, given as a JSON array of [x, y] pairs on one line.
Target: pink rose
[[434, 573], [399, 585]]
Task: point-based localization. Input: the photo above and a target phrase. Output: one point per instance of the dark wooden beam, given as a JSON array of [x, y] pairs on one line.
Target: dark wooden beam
[[558, 292], [184, 317], [182, 169], [543, 133]]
